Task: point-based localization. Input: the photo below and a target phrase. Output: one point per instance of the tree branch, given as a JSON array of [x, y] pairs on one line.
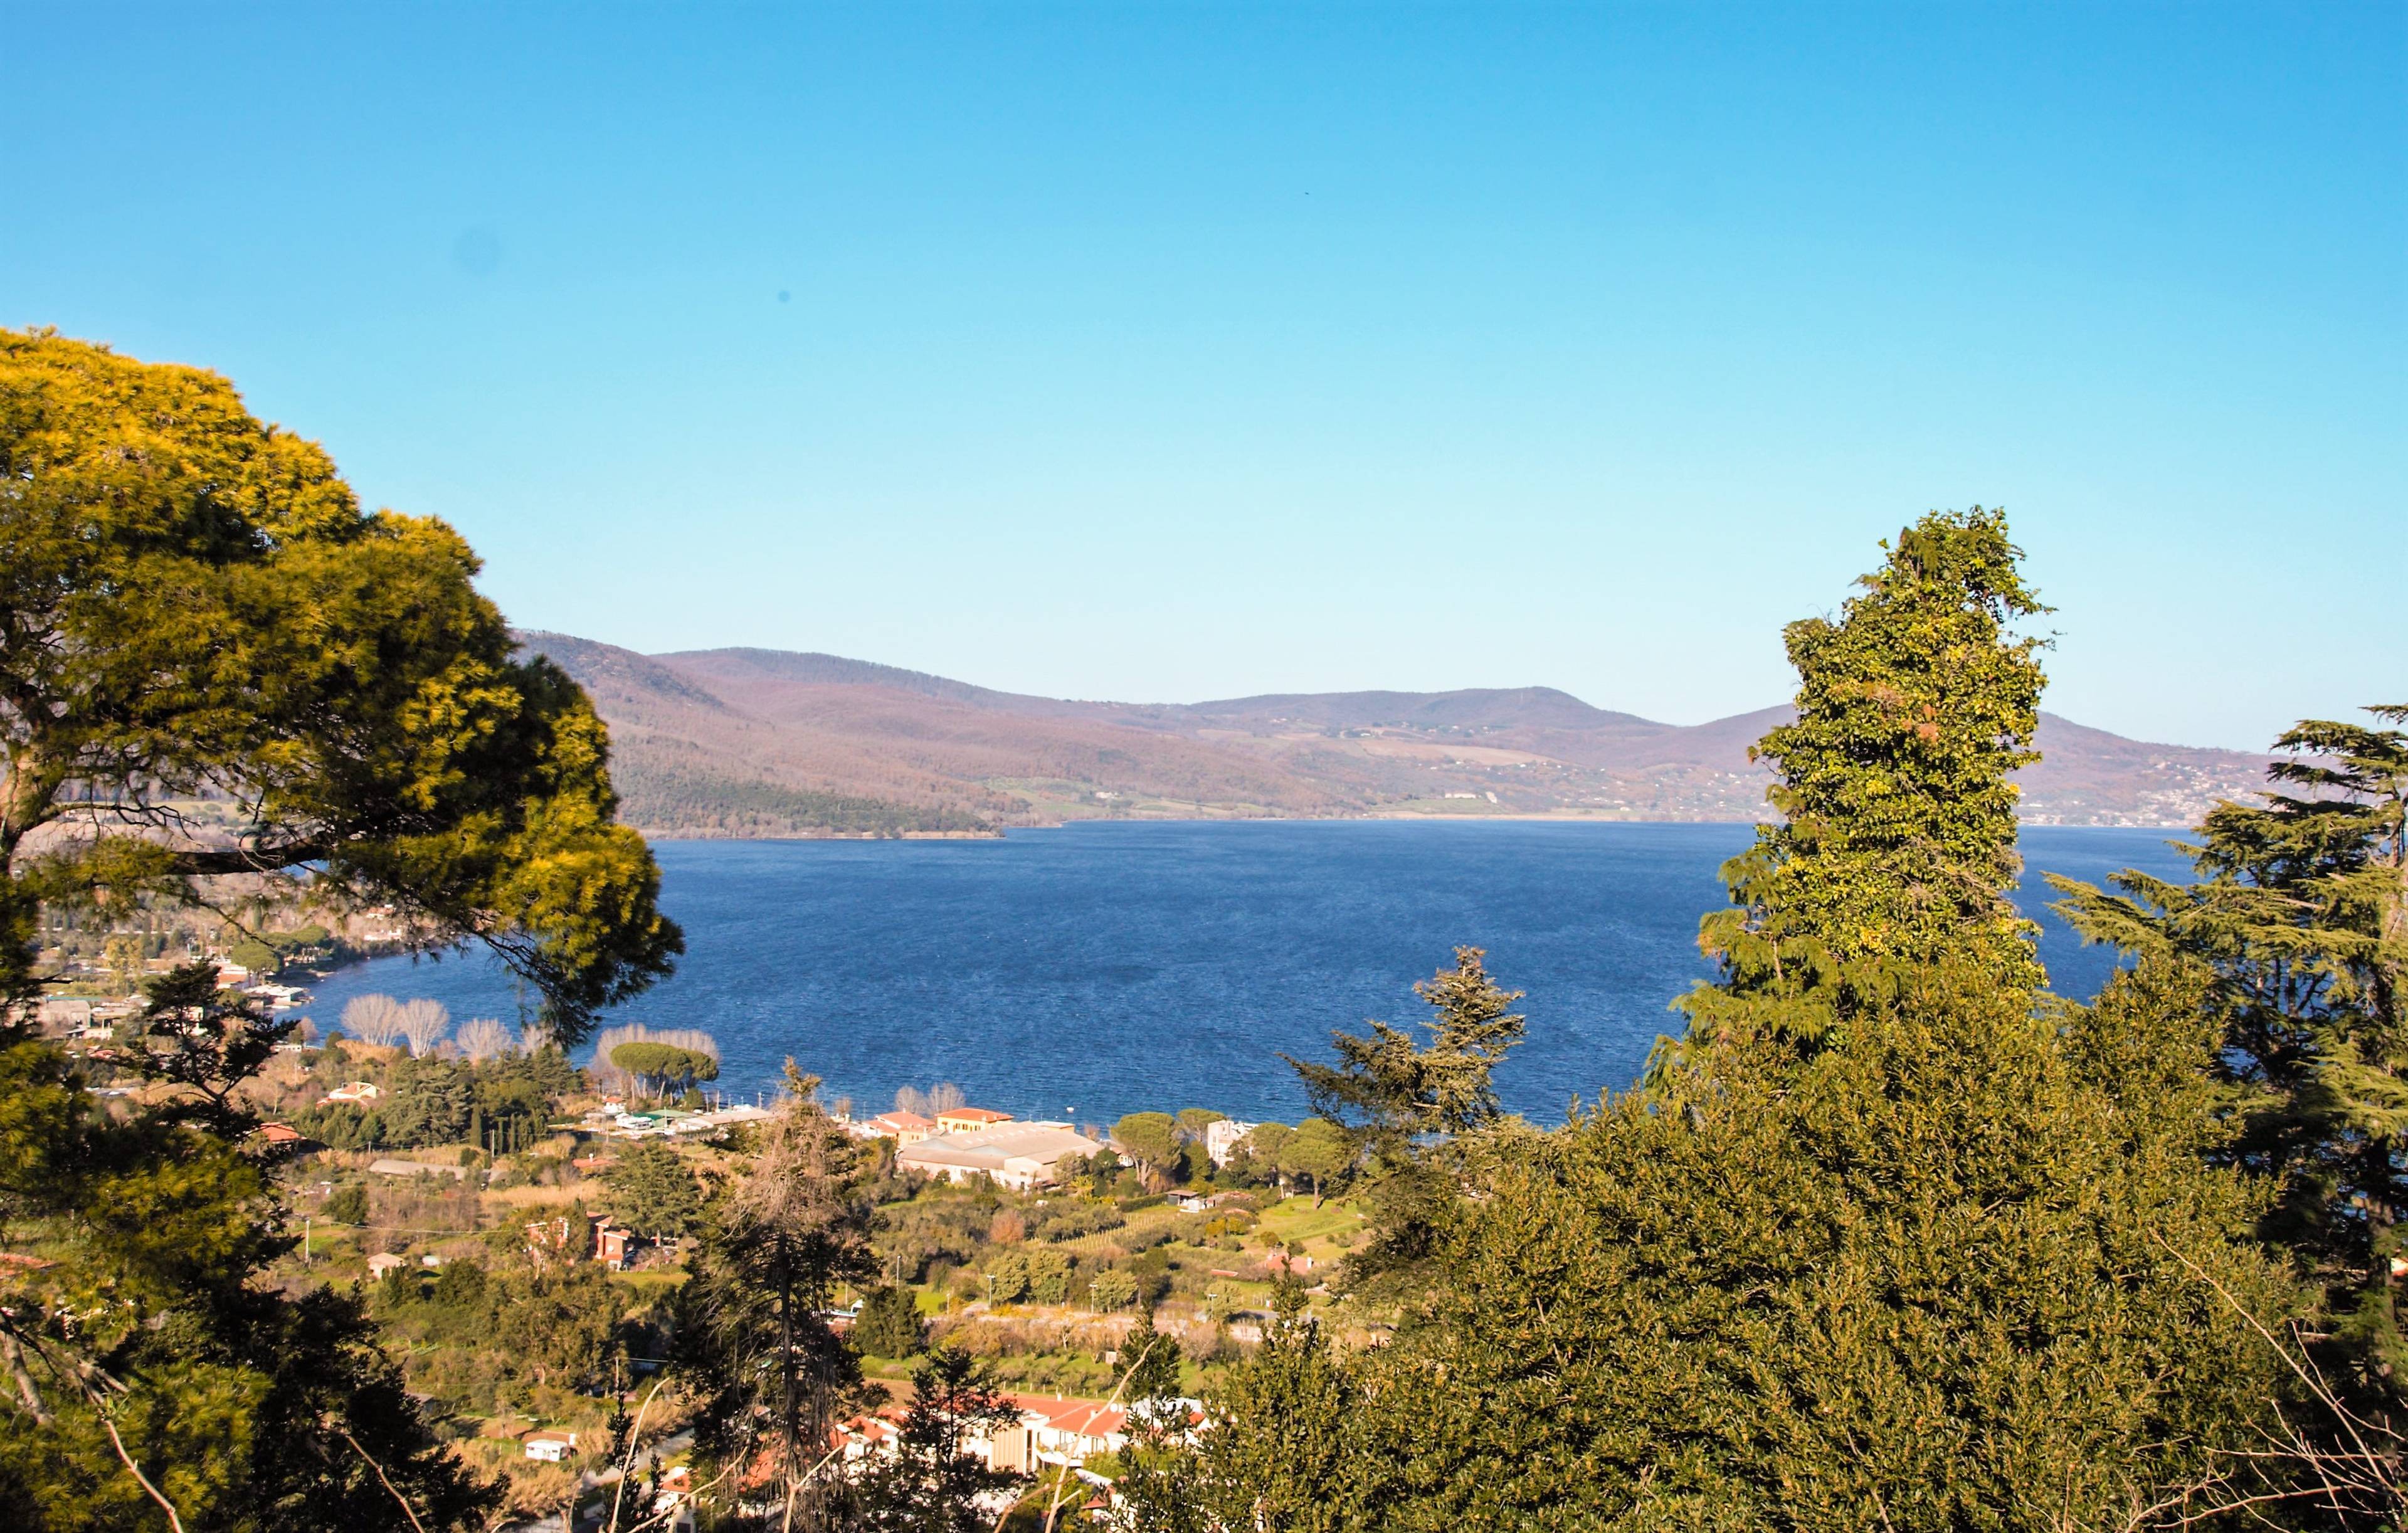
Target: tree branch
[[388, 1485], [143, 1479]]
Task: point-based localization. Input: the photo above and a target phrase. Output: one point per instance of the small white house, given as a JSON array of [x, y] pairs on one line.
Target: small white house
[[551, 1447]]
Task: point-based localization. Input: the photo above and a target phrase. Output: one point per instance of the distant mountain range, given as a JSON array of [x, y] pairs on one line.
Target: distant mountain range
[[769, 743]]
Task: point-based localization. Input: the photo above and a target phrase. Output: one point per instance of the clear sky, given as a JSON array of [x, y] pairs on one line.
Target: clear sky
[[1172, 351]]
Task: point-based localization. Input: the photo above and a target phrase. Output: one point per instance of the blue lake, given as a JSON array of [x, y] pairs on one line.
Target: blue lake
[[1106, 968]]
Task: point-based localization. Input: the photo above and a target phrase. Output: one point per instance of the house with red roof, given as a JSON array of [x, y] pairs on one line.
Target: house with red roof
[[902, 1128]]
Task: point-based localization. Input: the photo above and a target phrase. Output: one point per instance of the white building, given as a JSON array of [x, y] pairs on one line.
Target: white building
[[1018, 1156], [1221, 1138], [551, 1447]]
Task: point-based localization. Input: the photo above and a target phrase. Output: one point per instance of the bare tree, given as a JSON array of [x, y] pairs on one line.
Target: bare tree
[[483, 1037], [912, 1099], [372, 1019], [944, 1097], [422, 1022]]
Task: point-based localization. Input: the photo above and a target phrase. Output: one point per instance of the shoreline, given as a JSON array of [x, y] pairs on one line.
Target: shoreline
[[1391, 816]]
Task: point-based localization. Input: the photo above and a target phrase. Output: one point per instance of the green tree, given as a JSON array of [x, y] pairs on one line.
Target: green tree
[[1263, 1147], [348, 1204], [1897, 843], [778, 1244], [195, 605], [1400, 1102], [1391, 1091], [664, 1068], [1318, 1153], [461, 1286], [1152, 1139], [205, 1043], [1279, 1451], [1150, 1385], [653, 1192], [1019, 1272], [427, 1101], [935, 1481], [2301, 917], [889, 1322], [1891, 1239], [149, 1369], [1112, 1289], [561, 1328], [124, 955]]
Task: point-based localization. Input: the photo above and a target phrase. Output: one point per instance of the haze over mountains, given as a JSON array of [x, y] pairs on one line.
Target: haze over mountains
[[767, 742]]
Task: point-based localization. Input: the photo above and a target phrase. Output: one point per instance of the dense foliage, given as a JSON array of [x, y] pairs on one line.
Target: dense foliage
[[2300, 922], [652, 1191], [148, 1366], [665, 1068], [193, 606], [195, 612], [1891, 1237]]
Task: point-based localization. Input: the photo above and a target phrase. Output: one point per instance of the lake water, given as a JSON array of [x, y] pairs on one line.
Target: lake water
[[1104, 968]]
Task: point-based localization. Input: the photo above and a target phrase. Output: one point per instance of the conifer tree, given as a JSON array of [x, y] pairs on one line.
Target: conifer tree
[[1277, 1448], [652, 1192], [1897, 842], [935, 1481], [1891, 1239], [1389, 1091], [1150, 1386], [779, 1243], [205, 1042], [2301, 916], [889, 1322], [147, 1367], [1400, 1102], [193, 604]]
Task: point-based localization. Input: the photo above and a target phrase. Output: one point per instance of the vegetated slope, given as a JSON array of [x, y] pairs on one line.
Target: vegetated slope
[[765, 742]]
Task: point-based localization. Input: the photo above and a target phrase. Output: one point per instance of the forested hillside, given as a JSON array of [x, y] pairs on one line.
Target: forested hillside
[[764, 743]]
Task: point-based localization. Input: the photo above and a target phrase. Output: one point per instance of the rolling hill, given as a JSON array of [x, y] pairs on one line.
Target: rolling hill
[[767, 743]]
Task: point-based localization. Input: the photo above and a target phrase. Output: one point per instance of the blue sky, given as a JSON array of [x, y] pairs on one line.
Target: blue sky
[[1174, 351]]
